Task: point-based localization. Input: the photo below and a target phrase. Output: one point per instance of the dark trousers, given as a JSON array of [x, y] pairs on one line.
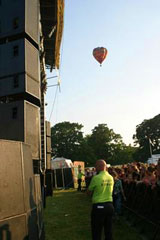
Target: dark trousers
[[101, 217], [79, 184], [87, 180]]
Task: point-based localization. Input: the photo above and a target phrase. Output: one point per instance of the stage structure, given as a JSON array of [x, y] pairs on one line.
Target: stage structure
[[30, 39]]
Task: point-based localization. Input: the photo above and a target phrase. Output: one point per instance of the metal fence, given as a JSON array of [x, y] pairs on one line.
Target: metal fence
[[143, 208]]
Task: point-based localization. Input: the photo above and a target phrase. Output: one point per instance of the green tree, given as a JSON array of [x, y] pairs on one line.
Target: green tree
[[66, 140], [122, 154], [148, 132], [105, 143], [86, 153]]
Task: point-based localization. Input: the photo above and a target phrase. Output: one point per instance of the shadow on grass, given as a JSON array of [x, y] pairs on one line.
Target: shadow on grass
[[67, 216]]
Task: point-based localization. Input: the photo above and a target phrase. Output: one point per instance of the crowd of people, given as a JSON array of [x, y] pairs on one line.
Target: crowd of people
[[125, 186], [132, 172], [138, 172]]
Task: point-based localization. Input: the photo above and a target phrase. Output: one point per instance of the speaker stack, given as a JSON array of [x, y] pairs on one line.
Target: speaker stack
[[49, 175], [20, 99], [20, 73]]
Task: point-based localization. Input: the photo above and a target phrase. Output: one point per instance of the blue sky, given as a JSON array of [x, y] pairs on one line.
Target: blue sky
[[126, 89]]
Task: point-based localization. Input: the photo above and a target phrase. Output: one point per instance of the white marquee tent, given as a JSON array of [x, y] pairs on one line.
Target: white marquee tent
[[57, 163]]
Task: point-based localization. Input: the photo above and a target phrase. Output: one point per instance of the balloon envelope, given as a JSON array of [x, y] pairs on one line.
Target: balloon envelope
[[100, 54]]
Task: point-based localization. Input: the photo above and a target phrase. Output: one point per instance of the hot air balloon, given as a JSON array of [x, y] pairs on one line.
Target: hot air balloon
[[100, 54]]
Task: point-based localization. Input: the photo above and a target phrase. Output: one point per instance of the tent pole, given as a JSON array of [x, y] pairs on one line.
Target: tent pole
[[63, 178], [55, 178]]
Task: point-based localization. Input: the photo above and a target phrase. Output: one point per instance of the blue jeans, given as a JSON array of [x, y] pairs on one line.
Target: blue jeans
[[117, 202]]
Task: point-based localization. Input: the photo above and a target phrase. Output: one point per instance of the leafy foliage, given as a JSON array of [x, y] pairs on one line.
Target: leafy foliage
[[66, 139], [109, 146], [86, 154], [103, 143], [148, 137]]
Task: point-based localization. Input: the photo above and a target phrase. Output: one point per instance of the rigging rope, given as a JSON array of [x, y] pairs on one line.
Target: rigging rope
[[58, 85], [53, 103]]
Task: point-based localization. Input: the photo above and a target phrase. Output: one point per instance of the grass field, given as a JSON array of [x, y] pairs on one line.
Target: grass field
[[67, 216]]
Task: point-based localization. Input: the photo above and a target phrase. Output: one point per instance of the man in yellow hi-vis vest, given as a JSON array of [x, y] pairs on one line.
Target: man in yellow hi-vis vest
[[101, 188], [80, 175]]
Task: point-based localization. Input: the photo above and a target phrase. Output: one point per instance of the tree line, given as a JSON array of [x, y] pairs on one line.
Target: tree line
[[67, 140]]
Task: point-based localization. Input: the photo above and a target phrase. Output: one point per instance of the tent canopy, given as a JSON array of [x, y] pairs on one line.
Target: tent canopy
[[57, 163]]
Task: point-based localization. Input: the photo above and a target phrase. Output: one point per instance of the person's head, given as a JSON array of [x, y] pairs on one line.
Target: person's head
[[115, 175], [101, 165], [150, 170], [110, 170]]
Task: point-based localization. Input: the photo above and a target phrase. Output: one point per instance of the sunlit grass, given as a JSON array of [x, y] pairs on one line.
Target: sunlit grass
[[67, 216]]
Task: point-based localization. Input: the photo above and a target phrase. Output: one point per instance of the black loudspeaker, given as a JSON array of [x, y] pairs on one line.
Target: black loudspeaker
[[49, 183], [19, 121], [48, 145], [20, 16], [20, 211], [19, 69]]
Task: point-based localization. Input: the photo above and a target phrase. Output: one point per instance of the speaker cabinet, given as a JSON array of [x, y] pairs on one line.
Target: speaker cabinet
[[19, 84], [20, 16], [19, 121], [19, 208], [16, 173], [49, 182], [19, 56], [48, 145], [38, 202]]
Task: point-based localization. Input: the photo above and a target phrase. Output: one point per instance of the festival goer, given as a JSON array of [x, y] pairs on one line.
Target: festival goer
[[80, 174], [158, 172], [101, 188], [118, 194], [149, 178], [142, 170], [87, 177]]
